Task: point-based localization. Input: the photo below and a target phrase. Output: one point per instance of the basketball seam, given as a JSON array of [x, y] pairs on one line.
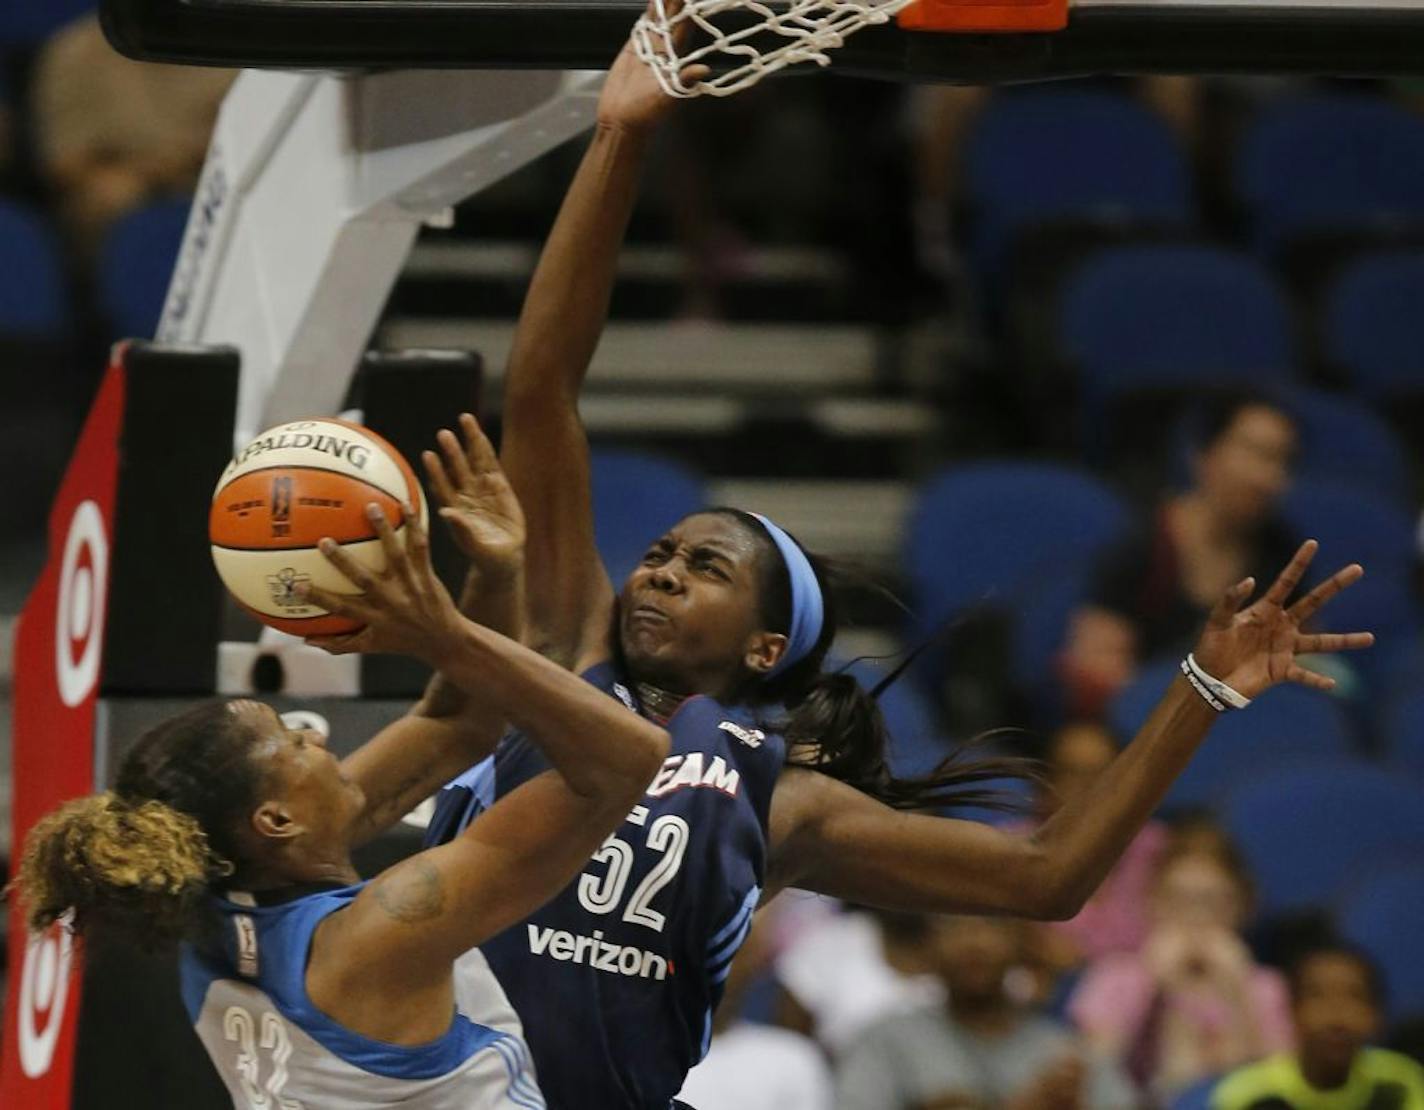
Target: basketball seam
[[307, 466]]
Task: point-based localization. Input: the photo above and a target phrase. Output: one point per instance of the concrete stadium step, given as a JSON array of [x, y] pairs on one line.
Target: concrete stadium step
[[863, 521], [753, 359]]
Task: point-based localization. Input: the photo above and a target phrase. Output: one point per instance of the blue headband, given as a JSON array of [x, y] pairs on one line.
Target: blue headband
[[807, 608]]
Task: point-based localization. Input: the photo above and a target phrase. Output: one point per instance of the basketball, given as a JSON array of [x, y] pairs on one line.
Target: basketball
[[282, 493]]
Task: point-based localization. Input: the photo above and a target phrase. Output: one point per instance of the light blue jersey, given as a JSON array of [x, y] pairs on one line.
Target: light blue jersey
[[246, 994]]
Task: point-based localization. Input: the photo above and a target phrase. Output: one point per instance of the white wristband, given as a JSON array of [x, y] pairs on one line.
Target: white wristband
[[1220, 692]]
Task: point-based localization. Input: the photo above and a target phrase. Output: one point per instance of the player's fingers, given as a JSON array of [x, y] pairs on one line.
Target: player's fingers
[[1312, 602], [342, 605], [440, 482], [395, 553], [344, 644], [1230, 602], [478, 450], [456, 465], [1302, 677], [1289, 578], [1333, 641], [353, 571], [417, 544]]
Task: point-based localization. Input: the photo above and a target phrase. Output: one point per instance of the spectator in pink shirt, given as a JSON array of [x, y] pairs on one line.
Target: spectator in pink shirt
[[1191, 1002]]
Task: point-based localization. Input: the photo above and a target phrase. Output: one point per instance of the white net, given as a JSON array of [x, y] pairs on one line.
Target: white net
[[759, 38]]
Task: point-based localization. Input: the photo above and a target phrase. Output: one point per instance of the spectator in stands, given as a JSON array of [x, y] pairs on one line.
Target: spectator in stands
[[753, 1066], [1115, 917], [1192, 1002], [981, 1048], [1152, 589], [1336, 1004], [113, 133]]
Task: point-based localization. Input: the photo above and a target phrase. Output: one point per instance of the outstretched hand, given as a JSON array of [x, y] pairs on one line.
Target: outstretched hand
[[632, 97], [404, 609], [1255, 648], [477, 502]]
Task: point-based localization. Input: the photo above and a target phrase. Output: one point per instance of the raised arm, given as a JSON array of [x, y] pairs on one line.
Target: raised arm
[[384, 964], [544, 448], [829, 837], [447, 731]]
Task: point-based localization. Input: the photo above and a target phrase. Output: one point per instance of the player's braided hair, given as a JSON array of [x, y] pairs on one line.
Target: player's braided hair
[[833, 725], [136, 862]]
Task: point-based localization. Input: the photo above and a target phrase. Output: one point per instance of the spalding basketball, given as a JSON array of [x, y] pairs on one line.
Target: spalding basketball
[[282, 493]]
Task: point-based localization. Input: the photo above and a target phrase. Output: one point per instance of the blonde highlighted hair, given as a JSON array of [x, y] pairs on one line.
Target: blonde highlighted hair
[[140, 860]]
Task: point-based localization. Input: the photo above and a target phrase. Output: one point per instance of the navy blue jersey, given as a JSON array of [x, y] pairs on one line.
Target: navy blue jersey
[[616, 979]]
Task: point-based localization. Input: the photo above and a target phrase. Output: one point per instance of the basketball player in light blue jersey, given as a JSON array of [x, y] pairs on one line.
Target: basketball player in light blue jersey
[[777, 775], [233, 833]]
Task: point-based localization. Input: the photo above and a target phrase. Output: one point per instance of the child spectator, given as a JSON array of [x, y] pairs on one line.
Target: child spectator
[[1336, 1005], [1192, 1002]]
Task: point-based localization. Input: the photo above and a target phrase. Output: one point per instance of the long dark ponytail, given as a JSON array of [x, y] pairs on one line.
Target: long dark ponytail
[[834, 725]]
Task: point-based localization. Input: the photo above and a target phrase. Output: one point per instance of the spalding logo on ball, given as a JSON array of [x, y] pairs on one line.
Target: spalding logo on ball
[[282, 493]]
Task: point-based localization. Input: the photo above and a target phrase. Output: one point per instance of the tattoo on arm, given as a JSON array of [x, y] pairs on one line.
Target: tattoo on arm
[[414, 895]]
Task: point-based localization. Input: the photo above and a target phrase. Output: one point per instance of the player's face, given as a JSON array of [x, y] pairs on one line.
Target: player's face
[[1248, 466], [302, 773], [690, 610], [1335, 1011]]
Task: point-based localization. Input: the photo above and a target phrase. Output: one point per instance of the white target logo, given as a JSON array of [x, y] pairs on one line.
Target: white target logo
[[79, 619], [44, 988]]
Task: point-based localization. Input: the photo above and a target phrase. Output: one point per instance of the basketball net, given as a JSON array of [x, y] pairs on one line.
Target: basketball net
[[763, 40]]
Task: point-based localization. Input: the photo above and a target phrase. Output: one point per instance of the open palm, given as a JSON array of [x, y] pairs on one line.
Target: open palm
[[477, 503], [1255, 648]]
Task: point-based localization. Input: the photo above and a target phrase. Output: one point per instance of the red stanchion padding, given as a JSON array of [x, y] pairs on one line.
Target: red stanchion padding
[[979, 16], [58, 652]]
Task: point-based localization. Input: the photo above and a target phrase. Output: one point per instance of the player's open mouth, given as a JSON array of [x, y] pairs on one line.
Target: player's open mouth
[[648, 614]]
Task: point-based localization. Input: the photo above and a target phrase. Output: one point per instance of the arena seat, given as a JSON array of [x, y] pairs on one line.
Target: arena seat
[[1308, 831], [1197, 1096], [1374, 331], [1383, 914], [1150, 320], [1284, 728], [136, 263], [916, 745], [34, 300], [1354, 525], [986, 532], [1403, 728], [28, 25], [1112, 164], [1013, 539], [1331, 163], [637, 497], [1344, 440]]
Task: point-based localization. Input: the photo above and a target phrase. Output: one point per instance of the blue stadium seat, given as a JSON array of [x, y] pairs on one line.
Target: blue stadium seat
[[27, 24], [1374, 331], [992, 532], [1197, 1096], [136, 263], [1403, 729], [1049, 154], [1353, 525], [636, 498], [1308, 831], [1384, 915], [1328, 163], [1286, 727], [916, 745], [1172, 317], [34, 301], [1345, 441]]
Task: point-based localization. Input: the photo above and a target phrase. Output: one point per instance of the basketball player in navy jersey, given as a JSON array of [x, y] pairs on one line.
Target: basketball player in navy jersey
[[233, 833], [777, 775]]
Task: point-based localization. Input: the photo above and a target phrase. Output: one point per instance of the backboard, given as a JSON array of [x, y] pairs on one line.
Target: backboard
[[1342, 37]]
